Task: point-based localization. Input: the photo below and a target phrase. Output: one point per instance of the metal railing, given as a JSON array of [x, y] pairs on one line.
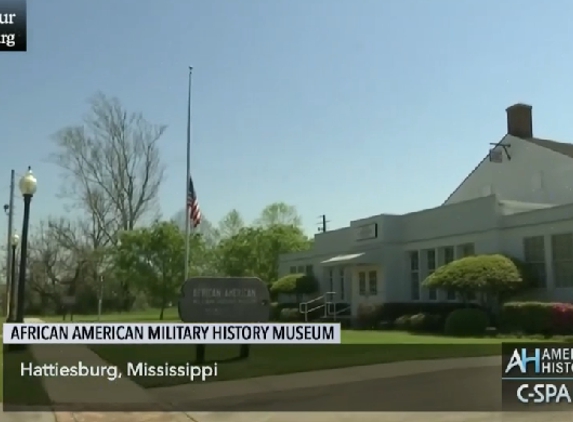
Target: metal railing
[[322, 302]]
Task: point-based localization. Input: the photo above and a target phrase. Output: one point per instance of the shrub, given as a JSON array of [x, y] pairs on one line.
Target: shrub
[[496, 275], [393, 310], [466, 323], [297, 284], [562, 318], [403, 323], [534, 318], [290, 315], [275, 312], [368, 316], [277, 307], [424, 322]]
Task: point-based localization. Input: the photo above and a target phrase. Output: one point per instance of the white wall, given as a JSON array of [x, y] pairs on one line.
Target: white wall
[[534, 174]]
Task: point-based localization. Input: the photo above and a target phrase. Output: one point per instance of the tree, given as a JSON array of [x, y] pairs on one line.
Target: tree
[[111, 165], [279, 213], [231, 224], [254, 251], [154, 258], [112, 169], [208, 232], [492, 276]]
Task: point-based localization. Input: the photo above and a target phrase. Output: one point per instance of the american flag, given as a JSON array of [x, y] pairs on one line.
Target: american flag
[[193, 205]]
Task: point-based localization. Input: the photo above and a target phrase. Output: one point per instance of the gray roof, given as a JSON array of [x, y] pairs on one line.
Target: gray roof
[[559, 147]]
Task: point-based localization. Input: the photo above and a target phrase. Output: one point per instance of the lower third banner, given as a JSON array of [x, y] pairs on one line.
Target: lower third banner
[[418, 377]]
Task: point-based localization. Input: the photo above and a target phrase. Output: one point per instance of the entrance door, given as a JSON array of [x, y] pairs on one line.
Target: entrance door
[[366, 286]]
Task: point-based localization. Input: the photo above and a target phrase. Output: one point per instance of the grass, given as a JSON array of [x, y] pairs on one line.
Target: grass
[[284, 359], [358, 348], [20, 391], [150, 315]]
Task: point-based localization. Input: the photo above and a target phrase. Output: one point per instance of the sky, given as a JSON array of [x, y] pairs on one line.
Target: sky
[[348, 108]]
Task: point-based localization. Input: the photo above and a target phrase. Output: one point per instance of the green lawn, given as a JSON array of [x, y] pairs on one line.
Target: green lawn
[[151, 315], [359, 348]]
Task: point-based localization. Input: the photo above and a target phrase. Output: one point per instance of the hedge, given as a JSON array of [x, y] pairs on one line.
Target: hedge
[[534, 318]]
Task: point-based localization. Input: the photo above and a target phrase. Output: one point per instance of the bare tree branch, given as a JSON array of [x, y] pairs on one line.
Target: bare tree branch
[[112, 167]]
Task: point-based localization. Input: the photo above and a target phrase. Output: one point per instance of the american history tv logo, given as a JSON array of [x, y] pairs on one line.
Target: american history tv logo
[[540, 361]]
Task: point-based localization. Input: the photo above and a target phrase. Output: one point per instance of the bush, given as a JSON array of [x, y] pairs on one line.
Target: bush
[[392, 311], [403, 323], [535, 318], [297, 284], [466, 323], [562, 318], [290, 315], [497, 275], [275, 311], [424, 322], [368, 316]]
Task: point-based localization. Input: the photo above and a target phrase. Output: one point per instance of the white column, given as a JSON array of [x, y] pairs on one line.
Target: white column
[[550, 276], [423, 273]]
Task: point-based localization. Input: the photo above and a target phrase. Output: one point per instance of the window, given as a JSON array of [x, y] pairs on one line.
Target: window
[[449, 256], [308, 270], [415, 286], [362, 283], [330, 281], [372, 283], [562, 256], [300, 269], [534, 257], [293, 270], [342, 284], [414, 275], [414, 261], [431, 264]]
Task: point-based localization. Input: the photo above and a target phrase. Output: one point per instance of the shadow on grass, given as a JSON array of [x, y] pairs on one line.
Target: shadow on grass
[[22, 393], [267, 360]]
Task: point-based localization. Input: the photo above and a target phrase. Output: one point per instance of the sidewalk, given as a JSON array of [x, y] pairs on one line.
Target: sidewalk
[[75, 390]]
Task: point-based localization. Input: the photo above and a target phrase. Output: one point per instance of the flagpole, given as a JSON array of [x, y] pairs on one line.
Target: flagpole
[[188, 219]]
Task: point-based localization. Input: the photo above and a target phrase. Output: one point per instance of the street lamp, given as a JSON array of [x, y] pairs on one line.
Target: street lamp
[[14, 241], [27, 186]]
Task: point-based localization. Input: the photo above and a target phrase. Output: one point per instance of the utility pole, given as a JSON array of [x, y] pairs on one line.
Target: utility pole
[[322, 224], [9, 208]]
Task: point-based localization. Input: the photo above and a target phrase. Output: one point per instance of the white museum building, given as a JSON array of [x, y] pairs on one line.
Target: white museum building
[[517, 201]]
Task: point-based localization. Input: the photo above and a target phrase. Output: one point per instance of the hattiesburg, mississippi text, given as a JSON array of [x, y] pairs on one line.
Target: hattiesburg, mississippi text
[[112, 372]]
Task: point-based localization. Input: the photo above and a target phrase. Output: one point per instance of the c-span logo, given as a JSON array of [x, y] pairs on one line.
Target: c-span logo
[[546, 361]]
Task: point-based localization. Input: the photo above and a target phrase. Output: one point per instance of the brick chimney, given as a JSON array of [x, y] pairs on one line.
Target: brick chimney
[[519, 121]]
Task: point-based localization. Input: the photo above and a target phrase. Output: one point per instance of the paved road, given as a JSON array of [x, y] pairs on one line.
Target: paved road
[[461, 390]]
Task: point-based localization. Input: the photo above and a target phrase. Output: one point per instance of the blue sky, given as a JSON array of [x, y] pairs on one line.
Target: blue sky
[[348, 108]]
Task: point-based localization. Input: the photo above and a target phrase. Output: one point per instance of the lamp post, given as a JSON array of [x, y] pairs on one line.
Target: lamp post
[[27, 186], [14, 240]]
